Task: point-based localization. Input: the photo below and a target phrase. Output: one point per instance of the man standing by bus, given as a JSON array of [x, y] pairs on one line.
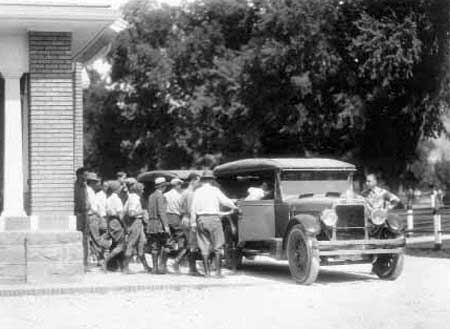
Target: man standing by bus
[[378, 198], [205, 216]]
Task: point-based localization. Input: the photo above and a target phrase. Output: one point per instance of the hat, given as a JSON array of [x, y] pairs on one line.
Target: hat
[[137, 188], [130, 181], [176, 181], [160, 181], [207, 174], [114, 186], [92, 176]]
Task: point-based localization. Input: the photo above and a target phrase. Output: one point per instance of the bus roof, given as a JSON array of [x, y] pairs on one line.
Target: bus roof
[[255, 164]]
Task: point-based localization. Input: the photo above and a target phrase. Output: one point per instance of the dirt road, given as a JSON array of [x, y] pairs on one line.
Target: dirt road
[[343, 297]]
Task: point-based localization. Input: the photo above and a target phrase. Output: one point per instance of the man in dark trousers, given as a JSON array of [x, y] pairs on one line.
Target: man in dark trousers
[[205, 216], [82, 207], [158, 227]]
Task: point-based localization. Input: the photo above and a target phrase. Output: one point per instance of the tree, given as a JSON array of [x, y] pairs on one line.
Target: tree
[[361, 80]]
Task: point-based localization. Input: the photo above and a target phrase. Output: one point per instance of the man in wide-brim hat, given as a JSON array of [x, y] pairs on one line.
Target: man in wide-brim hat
[[158, 228], [205, 215]]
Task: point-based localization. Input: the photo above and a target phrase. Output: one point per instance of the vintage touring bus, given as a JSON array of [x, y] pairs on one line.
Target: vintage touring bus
[[309, 215]]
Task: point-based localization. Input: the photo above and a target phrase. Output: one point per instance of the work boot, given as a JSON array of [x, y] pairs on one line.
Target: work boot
[[206, 266], [218, 262], [163, 268], [105, 262], [126, 262], [143, 260], [192, 265], [212, 263], [155, 263], [178, 260]]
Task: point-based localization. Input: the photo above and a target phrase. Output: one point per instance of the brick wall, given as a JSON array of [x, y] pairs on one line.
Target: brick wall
[[52, 136]]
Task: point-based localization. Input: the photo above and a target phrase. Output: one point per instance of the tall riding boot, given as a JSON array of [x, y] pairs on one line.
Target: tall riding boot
[[144, 262], [206, 266], [163, 260], [178, 260], [155, 263], [192, 264], [218, 262]]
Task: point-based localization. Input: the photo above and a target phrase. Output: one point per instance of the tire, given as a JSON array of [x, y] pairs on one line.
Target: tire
[[303, 258], [388, 267], [233, 255]]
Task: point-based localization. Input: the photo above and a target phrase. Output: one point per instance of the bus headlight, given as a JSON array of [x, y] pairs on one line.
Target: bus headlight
[[378, 216], [329, 217]]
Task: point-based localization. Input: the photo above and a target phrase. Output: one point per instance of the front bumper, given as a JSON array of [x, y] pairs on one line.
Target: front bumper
[[361, 247]]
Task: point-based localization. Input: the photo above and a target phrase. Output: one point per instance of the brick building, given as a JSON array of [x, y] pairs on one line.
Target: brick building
[[43, 45]]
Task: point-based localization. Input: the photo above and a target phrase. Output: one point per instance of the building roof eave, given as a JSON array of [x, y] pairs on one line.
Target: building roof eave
[[101, 43]]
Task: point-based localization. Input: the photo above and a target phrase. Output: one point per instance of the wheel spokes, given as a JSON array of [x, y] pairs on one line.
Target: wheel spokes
[[299, 254]]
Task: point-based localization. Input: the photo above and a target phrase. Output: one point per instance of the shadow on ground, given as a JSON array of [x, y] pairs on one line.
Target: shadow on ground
[[327, 275], [427, 249]]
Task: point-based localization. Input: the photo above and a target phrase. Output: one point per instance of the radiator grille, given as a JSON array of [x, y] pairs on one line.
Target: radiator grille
[[351, 223]]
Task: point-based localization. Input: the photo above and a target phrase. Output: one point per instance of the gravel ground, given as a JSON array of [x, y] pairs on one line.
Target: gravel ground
[[343, 297]]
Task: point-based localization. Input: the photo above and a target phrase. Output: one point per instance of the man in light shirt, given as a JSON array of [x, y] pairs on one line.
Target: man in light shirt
[[177, 240], [114, 214], [133, 219], [93, 217], [206, 211], [191, 235], [378, 198], [100, 197]]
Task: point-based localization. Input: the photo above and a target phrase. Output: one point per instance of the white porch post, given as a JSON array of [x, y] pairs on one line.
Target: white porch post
[[13, 166]]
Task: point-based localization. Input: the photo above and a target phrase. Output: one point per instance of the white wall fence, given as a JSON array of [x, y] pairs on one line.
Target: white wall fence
[[426, 224]]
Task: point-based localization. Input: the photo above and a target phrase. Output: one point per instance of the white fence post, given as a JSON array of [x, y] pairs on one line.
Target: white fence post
[[410, 221], [436, 222], [437, 231]]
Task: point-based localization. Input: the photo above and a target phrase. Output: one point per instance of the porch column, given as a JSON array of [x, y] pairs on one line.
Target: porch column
[[13, 166]]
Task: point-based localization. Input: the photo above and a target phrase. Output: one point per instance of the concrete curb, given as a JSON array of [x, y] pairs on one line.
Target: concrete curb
[[55, 290]]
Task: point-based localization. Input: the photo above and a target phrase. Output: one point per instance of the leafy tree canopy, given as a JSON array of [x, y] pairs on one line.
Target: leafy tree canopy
[[361, 80]]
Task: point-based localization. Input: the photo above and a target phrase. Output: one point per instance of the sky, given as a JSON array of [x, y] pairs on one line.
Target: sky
[[118, 3]]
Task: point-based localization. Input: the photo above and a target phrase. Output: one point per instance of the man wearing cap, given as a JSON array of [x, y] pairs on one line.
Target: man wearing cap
[[158, 228], [191, 235], [206, 205], [178, 239], [81, 210]]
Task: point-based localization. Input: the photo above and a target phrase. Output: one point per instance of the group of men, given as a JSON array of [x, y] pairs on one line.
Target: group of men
[[118, 222]]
